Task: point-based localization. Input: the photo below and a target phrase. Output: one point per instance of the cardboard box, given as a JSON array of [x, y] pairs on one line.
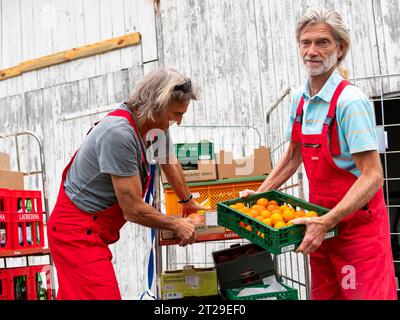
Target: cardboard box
[[189, 154], [189, 282], [12, 180], [242, 265], [255, 165], [206, 170], [5, 162]]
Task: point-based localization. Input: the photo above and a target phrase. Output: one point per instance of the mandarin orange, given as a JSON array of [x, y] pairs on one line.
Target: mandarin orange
[[262, 202], [275, 218], [279, 224]]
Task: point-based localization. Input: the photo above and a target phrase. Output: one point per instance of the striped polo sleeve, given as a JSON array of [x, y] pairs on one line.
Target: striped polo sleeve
[[357, 121]]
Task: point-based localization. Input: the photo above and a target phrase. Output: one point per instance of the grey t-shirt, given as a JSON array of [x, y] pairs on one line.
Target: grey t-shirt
[[111, 148]]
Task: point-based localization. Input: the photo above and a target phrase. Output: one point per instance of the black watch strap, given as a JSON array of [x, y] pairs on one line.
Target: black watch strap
[[186, 200]]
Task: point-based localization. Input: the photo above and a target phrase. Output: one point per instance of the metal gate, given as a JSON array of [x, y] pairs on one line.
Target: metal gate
[[388, 125]]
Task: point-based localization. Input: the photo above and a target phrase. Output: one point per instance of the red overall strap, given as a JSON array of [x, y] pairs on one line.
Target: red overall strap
[[331, 119], [127, 115], [296, 130]]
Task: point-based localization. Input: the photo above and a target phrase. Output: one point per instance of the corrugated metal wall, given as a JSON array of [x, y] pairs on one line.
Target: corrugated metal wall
[[241, 53]]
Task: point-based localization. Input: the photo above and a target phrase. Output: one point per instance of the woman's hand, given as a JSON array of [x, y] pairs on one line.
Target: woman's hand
[[185, 230]]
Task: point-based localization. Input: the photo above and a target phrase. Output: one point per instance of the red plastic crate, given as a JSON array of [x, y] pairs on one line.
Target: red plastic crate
[[27, 230], [21, 227], [4, 285], [5, 231], [19, 283], [23, 283], [43, 290], [5, 204], [5, 220], [23, 195], [27, 225]]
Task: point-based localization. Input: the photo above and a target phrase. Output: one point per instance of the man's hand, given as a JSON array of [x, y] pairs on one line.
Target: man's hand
[[316, 229], [185, 231]]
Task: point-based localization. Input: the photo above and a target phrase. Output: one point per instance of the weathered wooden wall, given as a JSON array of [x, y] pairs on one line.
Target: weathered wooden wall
[[38, 100], [241, 53]]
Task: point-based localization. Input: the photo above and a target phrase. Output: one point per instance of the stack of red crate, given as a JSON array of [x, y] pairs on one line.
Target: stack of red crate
[[21, 218], [5, 220], [3, 284], [26, 283]]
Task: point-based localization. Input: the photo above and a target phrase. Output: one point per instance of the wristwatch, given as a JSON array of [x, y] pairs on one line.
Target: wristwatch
[[186, 200]]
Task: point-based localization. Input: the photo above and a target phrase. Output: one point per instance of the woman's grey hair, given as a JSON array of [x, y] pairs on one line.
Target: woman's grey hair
[[331, 18], [152, 95]]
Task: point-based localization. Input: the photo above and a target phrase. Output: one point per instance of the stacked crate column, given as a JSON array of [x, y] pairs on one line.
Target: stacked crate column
[[5, 220]]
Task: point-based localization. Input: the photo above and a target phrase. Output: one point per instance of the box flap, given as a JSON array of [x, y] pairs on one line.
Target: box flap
[[5, 161], [190, 269], [263, 162], [12, 180], [259, 163], [206, 170]]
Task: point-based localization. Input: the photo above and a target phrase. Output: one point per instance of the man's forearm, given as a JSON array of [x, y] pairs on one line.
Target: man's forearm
[[285, 168], [358, 196], [174, 173]]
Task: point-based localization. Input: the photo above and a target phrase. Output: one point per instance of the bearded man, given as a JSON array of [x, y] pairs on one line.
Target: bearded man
[[332, 132]]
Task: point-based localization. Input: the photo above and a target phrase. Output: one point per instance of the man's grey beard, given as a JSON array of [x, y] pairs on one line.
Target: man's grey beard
[[325, 66]]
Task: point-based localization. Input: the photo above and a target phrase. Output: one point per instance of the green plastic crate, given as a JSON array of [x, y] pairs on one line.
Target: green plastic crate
[[189, 153], [275, 241], [290, 294]]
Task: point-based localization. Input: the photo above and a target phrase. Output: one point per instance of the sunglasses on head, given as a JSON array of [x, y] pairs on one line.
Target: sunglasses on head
[[185, 87]]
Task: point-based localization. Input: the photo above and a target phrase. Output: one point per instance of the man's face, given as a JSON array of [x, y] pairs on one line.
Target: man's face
[[318, 49], [174, 114]]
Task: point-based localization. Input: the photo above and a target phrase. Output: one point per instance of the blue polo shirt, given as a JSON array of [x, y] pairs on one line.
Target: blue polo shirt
[[354, 115]]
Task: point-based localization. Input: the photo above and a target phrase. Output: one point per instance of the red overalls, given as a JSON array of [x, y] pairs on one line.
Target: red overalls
[[78, 243], [358, 263]]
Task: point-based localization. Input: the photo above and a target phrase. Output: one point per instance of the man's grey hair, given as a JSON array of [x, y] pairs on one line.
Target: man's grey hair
[[331, 18], [152, 95]]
